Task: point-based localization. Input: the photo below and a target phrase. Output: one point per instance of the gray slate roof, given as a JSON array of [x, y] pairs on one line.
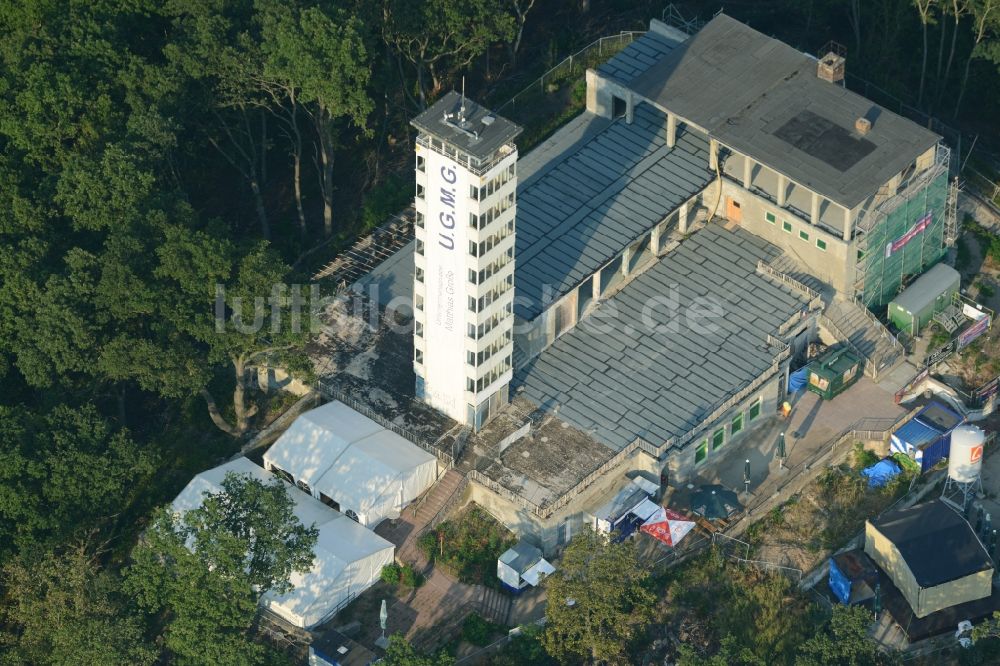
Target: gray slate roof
[[763, 98], [637, 57], [584, 208], [644, 378], [481, 135]]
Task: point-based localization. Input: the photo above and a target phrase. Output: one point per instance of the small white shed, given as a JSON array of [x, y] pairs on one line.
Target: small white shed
[[522, 565]]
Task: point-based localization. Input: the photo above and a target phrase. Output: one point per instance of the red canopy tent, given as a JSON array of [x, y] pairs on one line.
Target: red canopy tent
[[668, 526]]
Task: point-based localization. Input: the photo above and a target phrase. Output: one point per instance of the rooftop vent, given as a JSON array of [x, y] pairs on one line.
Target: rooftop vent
[[862, 126], [832, 64]]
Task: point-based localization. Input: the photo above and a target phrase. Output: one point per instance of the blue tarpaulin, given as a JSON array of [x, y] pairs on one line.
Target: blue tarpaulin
[[797, 380], [840, 585], [881, 473]]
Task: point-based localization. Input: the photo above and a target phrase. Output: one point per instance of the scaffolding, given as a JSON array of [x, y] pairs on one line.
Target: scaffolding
[[906, 234]]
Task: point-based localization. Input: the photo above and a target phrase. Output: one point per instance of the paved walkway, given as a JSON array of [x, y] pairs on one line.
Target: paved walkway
[[813, 424]]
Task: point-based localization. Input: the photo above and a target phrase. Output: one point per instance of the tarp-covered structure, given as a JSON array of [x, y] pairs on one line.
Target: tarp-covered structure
[[348, 558], [932, 555], [853, 577], [628, 510], [352, 463], [926, 438]]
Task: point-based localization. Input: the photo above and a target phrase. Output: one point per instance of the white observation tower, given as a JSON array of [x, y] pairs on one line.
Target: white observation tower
[[466, 184]]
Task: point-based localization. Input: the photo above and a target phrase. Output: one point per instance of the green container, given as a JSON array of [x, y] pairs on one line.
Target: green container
[[931, 293], [833, 372]]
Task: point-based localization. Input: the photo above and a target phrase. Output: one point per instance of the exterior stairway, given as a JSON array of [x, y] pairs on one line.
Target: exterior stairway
[[793, 269], [420, 516], [495, 605], [849, 322]]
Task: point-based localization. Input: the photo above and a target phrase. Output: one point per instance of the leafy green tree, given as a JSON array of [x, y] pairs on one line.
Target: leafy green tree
[[204, 573], [61, 609], [401, 653], [66, 473], [440, 37], [985, 40], [844, 641], [598, 601], [316, 57]]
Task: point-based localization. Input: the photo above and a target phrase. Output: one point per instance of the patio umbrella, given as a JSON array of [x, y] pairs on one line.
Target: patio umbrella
[[668, 526], [714, 502]]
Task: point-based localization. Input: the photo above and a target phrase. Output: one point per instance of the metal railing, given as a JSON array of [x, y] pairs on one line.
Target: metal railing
[[581, 59], [815, 299], [867, 429]]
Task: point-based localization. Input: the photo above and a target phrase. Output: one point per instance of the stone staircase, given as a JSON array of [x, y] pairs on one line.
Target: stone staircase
[[848, 322], [424, 514], [494, 605], [792, 268]]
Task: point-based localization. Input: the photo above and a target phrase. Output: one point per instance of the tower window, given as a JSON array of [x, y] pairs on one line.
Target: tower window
[[419, 274], [421, 166], [420, 247], [418, 355], [420, 191], [419, 220]]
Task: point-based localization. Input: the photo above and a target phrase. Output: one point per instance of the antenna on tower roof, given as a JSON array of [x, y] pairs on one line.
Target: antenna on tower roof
[[461, 111]]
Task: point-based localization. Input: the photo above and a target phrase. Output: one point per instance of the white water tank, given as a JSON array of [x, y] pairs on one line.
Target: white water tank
[[965, 462]]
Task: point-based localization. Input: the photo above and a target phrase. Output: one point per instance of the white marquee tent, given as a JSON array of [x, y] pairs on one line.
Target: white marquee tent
[[345, 459], [348, 558]]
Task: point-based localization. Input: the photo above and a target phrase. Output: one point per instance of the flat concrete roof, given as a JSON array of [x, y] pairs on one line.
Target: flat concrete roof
[[762, 98], [602, 186], [480, 134], [657, 358]]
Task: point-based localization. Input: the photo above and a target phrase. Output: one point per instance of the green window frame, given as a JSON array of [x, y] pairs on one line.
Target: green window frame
[[821, 244], [736, 425], [861, 255], [786, 226], [804, 235], [718, 438], [770, 217], [754, 411], [701, 452]]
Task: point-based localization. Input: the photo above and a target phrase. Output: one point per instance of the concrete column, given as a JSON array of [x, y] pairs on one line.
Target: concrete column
[[625, 259], [654, 239], [629, 108], [713, 154], [597, 285], [814, 210], [847, 224], [747, 171], [782, 190], [682, 218], [671, 130]]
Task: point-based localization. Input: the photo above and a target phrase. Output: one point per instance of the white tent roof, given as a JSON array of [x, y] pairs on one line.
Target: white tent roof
[[318, 437], [368, 470], [348, 557], [353, 460]]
